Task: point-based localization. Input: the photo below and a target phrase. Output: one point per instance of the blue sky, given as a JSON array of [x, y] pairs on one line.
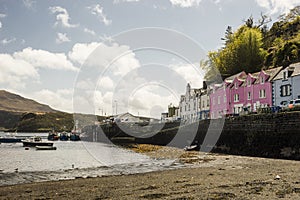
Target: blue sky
[[43, 44]]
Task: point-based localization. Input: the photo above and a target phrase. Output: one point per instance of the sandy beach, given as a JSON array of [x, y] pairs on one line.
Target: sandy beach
[[207, 176]]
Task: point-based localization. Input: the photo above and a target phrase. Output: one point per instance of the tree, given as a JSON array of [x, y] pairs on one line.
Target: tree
[[243, 53]]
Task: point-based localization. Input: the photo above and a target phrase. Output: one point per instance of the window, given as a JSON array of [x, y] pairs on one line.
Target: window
[[236, 98], [285, 75], [219, 99], [236, 85], [185, 108], [262, 79], [249, 96], [249, 82], [285, 90], [208, 102], [189, 107], [225, 99], [262, 93]]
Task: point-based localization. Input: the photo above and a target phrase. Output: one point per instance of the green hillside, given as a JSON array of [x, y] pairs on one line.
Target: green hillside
[[254, 46], [15, 103]]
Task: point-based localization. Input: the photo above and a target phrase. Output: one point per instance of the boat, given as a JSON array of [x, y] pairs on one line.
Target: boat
[[45, 148], [191, 148], [64, 136], [53, 136], [75, 136], [35, 141], [75, 133], [10, 138]]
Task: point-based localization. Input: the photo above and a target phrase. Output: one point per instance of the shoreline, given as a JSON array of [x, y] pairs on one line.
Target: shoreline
[[211, 176]]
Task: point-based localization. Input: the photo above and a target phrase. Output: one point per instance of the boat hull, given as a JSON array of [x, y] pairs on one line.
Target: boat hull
[[10, 140], [34, 144], [39, 148]]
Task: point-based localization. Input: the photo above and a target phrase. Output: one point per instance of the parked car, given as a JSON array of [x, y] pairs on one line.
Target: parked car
[[293, 103]]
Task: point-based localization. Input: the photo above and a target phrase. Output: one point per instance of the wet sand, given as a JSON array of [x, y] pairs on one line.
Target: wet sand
[[208, 176]]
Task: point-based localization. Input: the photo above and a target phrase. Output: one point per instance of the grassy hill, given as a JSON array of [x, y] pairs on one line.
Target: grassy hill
[[26, 115], [15, 103]]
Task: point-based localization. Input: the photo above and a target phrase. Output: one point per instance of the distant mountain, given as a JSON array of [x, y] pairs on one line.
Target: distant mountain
[[15, 103]]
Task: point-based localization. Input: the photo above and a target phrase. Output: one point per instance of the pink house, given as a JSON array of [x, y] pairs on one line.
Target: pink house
[[237, 94], [220, 97], [262, 89], [218, 100], [242, 92], [249, 91]]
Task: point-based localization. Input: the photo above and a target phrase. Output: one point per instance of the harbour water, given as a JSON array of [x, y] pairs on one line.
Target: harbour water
[[72, 160]]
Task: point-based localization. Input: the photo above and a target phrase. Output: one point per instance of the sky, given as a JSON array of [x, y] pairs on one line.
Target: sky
[[115, 56]]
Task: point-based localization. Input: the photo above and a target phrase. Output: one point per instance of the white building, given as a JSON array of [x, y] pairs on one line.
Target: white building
[[204, 104], [194, 105]]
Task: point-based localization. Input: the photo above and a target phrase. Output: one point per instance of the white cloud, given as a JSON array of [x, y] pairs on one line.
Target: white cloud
[[61, 38], [103, 56], [106, 83], [81, 51], [45, 59], [62, 17], [86, 30], [60, 99], [278, 6], [1, 16], [191, 73], [185, 3], [98, 11], [23, 66], [146, 100], [29, 3], [14, 71], [6, 41]]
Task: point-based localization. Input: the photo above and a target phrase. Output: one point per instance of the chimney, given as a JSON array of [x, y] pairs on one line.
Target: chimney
[[204, 85]]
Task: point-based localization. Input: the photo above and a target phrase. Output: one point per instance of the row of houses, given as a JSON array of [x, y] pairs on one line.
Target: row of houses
[[241, 93]]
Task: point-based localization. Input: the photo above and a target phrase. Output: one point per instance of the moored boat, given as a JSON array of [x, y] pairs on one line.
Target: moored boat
[[45, 148], [10, 140], [53, 136], [35, 141], [64, 136], [75, 136]]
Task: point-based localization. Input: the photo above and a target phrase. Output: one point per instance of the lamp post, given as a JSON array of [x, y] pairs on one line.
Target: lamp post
[[116, 102]]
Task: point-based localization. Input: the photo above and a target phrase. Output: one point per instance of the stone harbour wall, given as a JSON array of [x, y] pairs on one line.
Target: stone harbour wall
[[265, 135]]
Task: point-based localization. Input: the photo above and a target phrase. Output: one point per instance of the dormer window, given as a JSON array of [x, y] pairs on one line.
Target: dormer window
[[236, 85], [249, 82], [285, 75], [262, 79]]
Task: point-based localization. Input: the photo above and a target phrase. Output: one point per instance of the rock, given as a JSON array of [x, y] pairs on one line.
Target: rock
[[277, 177]]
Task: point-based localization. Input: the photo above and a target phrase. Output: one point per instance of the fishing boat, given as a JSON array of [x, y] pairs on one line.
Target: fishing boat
[[75, 136], [10, 138], [38, 148], [64, 136], [35, 141], [53, 136]]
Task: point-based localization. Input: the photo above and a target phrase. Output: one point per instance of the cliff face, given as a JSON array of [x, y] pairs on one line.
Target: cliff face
[[15, 103]]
